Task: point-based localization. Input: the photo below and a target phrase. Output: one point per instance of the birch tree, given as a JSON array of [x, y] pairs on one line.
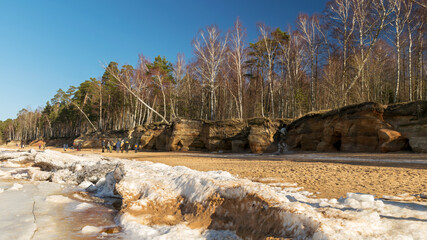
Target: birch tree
[[209, 49], [237, 52], [342, 21], [400, 18], [122, 81], [381, 14], [312, 35]]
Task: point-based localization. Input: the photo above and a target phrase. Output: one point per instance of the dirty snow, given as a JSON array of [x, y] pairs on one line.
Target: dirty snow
[[358, 216]]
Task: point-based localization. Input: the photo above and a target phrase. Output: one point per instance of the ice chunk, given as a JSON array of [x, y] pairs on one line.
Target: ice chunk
[[83, 206], [64, 176], [16, 186], [58, 199], [85, 185], [37, 175], [91, 229]]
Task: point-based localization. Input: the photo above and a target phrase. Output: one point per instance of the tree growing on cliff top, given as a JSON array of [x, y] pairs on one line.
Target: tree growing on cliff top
[[209, 49]]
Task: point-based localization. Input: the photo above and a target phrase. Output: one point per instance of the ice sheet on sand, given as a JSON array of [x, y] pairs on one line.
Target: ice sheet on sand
[[358, 216], [19, 208]]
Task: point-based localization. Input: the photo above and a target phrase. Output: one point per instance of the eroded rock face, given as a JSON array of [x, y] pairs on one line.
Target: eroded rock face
[[94, 140], [218, 135], [391, 141], [261, 137], [186, 135], [256, 135], [418, 144], [154, 138], [410, 119], [367, 127], [349, 129]]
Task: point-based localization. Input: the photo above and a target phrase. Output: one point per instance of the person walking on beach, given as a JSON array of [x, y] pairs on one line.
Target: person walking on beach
[[108, 146], [118, 146], [282, 147], [103, 145], [127, 146]]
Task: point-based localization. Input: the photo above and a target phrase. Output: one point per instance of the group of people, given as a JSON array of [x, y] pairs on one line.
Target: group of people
[[77, 146], [120, 145]]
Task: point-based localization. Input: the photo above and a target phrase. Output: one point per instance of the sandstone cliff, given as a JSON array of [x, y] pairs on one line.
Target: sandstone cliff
[[253, 135], [366, 127]]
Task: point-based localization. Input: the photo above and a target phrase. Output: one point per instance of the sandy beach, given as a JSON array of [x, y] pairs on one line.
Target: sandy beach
[[326, 175], [297, 196]]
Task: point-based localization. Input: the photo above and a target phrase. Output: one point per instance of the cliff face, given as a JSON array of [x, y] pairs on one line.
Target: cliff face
[[367, 127], [410, 120], [255, 135]]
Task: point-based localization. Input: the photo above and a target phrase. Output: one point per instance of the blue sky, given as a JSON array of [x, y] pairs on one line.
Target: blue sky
[[47, 45]]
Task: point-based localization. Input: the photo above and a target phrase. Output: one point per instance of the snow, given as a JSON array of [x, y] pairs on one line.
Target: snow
[[91, 230], [146, 184], [58, 199], [400, 197], [83, 206], [15, 187]]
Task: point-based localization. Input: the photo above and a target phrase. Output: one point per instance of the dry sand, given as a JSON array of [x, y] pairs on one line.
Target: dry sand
[[327, 178]]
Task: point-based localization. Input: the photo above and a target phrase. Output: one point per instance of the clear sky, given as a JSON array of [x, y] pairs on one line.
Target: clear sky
[[46, 45]]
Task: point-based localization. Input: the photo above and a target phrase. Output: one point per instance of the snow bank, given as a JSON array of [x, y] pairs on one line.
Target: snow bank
[[161, 201]]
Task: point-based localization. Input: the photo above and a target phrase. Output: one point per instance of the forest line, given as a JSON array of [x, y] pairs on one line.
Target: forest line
[[355, 51]]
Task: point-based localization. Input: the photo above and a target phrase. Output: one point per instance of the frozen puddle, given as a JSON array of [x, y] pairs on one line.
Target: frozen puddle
[[157, 201], [41, 210]]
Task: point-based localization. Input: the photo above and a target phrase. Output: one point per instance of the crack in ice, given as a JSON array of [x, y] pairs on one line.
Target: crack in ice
[[35, 219]]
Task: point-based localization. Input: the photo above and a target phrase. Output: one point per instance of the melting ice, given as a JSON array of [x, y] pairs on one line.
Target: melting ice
[[163, 202]]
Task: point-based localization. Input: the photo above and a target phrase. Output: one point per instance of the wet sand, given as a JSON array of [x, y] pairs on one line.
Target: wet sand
[[327, 175]]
